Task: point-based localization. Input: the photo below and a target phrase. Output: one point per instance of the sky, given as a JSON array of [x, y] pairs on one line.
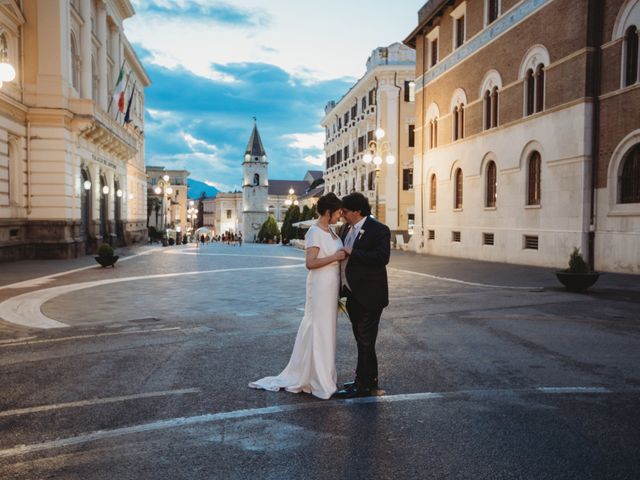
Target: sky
[[214, 65]]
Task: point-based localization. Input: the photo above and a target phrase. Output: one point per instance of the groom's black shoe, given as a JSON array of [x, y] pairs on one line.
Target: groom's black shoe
[[355, 390], [350, 385]]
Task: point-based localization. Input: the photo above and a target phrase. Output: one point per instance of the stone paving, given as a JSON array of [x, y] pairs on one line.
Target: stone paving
[[490, 371]]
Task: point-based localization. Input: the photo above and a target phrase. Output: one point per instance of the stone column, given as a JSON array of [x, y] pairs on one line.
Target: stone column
[[101, 20], [85, 49]]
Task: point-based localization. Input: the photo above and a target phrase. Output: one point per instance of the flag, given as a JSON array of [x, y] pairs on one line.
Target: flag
[[118, 91], [127, 116]]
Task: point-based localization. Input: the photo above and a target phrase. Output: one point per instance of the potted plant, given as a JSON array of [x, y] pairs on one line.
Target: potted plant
[[105, 257], [578, 276]]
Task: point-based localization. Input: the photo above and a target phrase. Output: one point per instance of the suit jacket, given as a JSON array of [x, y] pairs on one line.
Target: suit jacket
[[366, 269]]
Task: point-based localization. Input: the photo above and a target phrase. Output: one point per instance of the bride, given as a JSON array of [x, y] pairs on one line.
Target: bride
[[312, 366]]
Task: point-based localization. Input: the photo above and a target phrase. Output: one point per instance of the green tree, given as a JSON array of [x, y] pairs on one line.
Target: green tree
[[269, 229]]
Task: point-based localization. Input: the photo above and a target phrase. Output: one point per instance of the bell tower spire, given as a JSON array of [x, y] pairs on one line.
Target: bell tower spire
[[255, 186]]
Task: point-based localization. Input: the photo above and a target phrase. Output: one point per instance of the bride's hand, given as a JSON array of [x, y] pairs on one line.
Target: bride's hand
[[340, 255]]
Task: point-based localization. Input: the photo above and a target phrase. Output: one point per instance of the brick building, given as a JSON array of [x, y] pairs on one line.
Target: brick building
[[528, 131]]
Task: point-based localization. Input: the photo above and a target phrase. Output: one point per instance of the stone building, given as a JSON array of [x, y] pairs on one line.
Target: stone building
[[528, 131], [382, 98], [167, 194], [71, 170]]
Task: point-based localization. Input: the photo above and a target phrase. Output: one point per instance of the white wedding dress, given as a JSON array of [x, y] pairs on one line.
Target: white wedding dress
[[312, 366]]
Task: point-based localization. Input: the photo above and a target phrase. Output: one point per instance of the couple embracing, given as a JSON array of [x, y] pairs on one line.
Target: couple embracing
[[352, 263]]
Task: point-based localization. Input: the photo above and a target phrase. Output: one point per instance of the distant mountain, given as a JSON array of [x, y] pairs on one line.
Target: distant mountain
[[196, 187]]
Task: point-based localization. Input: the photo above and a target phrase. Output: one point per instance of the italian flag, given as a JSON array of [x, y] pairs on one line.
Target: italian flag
[[118, 91]]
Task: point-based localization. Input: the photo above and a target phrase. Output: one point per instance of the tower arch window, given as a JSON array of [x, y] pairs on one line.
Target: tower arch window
[[256, 179], [629, 178], [534, 171], [492, 185], [457, 193], [631, 56]]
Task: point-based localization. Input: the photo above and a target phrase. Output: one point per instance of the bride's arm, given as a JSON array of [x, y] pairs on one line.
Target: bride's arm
[[312, 261]]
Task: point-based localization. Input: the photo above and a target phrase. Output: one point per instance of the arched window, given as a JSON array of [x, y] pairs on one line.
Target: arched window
[[457, 194], [75, 63], [494, 107], [539, 88], [256, 179], [364, 104], [629, 179], [432, 198], [492, 185], [631, 56], [487, 109], [533, 179], [456, 126], [435, 133], [529, 85]]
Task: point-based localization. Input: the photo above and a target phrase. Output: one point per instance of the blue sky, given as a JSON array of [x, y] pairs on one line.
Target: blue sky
[[215, 65]]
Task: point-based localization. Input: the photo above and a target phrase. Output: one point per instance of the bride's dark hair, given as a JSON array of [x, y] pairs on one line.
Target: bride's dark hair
[[329, 202]]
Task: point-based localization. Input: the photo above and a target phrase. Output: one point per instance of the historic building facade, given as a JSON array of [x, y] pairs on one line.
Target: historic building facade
[[71, 169], [382, 99], [167, 199], [528, 131]]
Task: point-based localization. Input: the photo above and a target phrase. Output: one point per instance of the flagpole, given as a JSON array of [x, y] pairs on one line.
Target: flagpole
[[111, 98]]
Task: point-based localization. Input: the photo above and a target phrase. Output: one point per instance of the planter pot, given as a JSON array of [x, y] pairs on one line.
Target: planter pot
[[107, 261], [577, 282]]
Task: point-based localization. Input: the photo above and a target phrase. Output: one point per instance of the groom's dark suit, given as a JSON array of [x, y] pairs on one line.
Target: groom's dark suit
[[368, 294]]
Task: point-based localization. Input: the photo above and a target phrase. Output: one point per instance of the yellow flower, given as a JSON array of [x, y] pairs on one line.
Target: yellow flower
[[342, 306]]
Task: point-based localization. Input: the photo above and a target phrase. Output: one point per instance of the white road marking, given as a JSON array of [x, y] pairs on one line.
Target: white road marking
[[36, 282], [574, 390], [473, 284], [253, 412], [23, 341], [25, 309], [198, 254], [95, 401]]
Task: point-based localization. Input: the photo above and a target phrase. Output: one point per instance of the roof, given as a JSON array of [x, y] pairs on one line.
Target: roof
[[316, 174], [315, 193], [425, 16], [254, 147], [281, 187]]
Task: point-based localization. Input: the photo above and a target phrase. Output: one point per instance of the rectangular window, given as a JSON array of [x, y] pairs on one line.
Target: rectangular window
[[487, 238], [431, 234], [228, 213], [407, 178], [346, 118], [339, 123], [434, 51], [372, 96], [354, 111], [412, 135], [338, 156], [346, 152], [369, 137], [455, 237], [459, 31], [492, 10], [361, 144], [409, 91], [411, 223], [531, 242]]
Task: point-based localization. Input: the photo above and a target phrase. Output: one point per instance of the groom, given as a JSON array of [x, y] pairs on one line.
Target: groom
[[364, 283]]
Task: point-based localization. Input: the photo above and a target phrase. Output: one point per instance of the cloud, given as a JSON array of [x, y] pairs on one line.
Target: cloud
[[305, 140], [317, 160]]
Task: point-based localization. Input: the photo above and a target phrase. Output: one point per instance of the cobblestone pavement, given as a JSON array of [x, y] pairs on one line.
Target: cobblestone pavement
[[490, 371]]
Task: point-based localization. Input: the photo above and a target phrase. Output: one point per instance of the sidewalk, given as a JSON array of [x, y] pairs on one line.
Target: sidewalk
[[13, 272]]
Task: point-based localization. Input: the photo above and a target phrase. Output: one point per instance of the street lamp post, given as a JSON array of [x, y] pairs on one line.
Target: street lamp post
[[377, 149], [192, 214], [292, 198], [164, 188]]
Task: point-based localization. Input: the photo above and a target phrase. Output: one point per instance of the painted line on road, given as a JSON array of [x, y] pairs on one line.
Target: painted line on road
[[22, 342], [253, 412], [95, 401], [473, 284], [199, 254], [38, 281], [564, 390], [25, 309]]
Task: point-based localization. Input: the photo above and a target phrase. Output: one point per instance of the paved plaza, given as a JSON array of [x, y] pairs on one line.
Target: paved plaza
[[490, 371]]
